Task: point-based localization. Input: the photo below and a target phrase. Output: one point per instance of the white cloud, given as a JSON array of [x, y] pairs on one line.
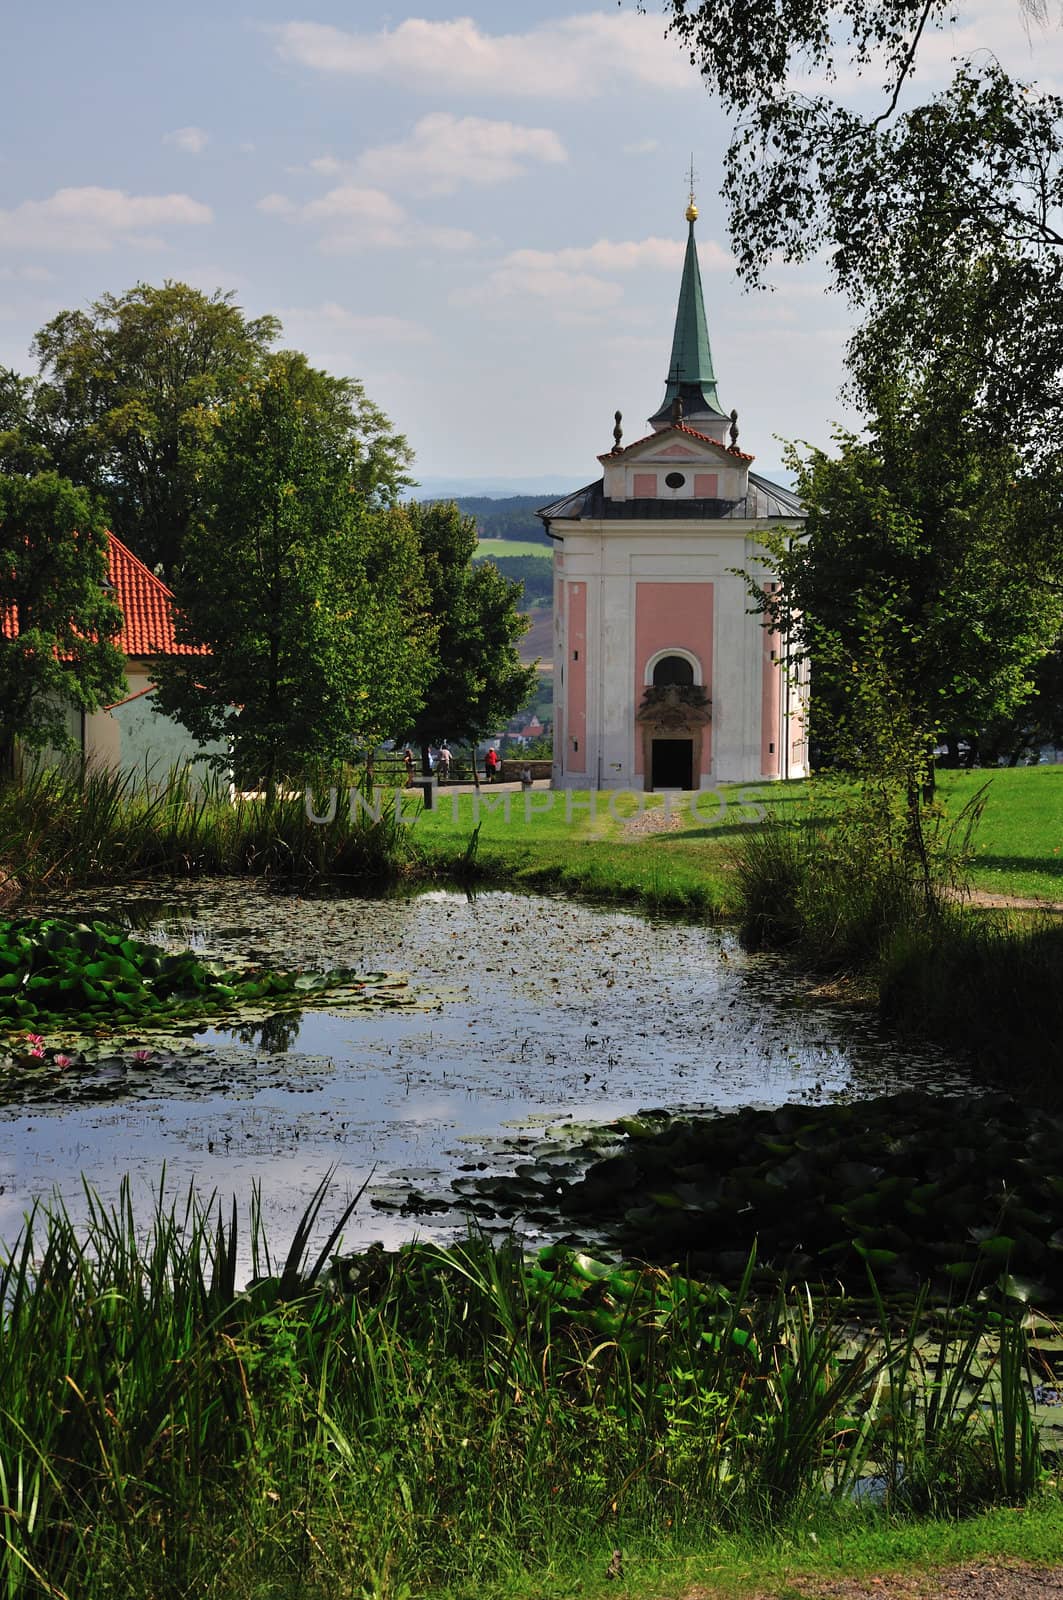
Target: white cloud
[[444, 151], [569, 281], [333, 321], [449, 238], [93, 218], [621, 255], [26, 274], [277, 205], [642, 147], [565, 295], [353, 217], [193, 141], [567, 58]]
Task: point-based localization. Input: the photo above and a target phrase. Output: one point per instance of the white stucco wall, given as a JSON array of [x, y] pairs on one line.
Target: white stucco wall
[[135, 739], [130, 738]]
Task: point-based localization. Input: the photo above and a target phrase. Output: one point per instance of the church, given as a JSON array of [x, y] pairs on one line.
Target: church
[[663, 677]]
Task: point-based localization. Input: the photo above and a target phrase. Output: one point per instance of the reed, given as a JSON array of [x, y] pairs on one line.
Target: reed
[[60, 827], [451, 1421], [990, 983]]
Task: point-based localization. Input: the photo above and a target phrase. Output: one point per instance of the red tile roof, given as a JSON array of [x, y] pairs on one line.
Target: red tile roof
[[147, 608], [679, 427]]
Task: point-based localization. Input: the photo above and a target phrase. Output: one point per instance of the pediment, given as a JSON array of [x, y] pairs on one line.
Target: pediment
[[671, 445]]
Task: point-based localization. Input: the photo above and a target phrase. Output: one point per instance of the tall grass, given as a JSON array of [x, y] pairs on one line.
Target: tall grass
[[807, 886], [986, 982], [60, 827], [441, 1420]]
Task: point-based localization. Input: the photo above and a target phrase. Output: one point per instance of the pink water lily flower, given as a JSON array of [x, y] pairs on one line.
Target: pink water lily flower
[[140, 1056], [35, 1039], [64, 1061]]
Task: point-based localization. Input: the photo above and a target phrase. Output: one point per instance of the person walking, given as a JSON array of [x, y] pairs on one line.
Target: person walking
[[443, 763], [407, 761], [491, 764]]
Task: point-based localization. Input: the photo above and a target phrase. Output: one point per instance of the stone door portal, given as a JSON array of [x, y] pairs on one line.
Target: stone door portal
[[671, 722]]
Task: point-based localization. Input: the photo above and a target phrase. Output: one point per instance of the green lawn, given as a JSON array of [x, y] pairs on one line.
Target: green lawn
[[1018, 848], [827, 1550], [512, 547], [1019, 845], [551, 839]]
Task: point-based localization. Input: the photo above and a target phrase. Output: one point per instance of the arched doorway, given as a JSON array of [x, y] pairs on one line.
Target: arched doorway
[[672, 669]]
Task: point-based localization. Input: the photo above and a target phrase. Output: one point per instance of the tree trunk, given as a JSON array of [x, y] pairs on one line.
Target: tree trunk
[[930, 779], [426, 765]]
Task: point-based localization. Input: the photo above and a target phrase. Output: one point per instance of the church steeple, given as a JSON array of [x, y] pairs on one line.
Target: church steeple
[[691, 378]]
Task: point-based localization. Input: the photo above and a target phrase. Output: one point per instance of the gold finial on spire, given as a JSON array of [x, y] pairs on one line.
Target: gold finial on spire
[[692, 210]]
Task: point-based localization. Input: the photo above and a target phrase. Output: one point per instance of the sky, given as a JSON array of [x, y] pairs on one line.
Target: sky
[[476, 208]]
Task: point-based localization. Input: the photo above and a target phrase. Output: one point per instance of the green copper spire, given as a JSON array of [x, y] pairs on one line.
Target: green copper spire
[[690, 373]]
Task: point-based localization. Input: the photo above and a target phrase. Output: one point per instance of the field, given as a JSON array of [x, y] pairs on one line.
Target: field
[[512, 547], [538, 643]]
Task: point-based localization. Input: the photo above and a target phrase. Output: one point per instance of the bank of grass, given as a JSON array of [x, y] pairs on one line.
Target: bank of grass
[[795, 1564], [468, 1422], [552, 839], [1018, 847], [983, 981], [607, 847], [61, 829]]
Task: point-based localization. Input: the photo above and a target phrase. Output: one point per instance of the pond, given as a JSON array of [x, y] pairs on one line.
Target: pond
[[560, 1014]]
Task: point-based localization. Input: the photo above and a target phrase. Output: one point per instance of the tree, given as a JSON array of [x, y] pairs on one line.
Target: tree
[[58, 620], [21, 450], [899, 199], [119, 383], [479, 681], [378, 458], [1007, 739], [923, 558], [307, 597]]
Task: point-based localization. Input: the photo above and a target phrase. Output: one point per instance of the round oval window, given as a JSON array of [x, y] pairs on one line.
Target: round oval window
[[675, 480]]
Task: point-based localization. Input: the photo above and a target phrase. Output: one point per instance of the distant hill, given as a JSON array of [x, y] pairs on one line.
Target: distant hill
[[511, 518], [495, 488]]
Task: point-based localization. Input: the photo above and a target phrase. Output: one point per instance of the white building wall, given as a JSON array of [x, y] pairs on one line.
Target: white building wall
[[611, 559]]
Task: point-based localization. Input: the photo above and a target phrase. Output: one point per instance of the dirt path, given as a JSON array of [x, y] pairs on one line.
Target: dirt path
[[976, 1581], [655, 821], [1007, 902]]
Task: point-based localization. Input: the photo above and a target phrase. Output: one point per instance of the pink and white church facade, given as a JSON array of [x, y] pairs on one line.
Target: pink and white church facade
[[663, 678]]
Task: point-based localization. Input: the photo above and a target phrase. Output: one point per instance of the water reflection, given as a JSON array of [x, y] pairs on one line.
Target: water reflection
[[273, 1034], [566, 1013]]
